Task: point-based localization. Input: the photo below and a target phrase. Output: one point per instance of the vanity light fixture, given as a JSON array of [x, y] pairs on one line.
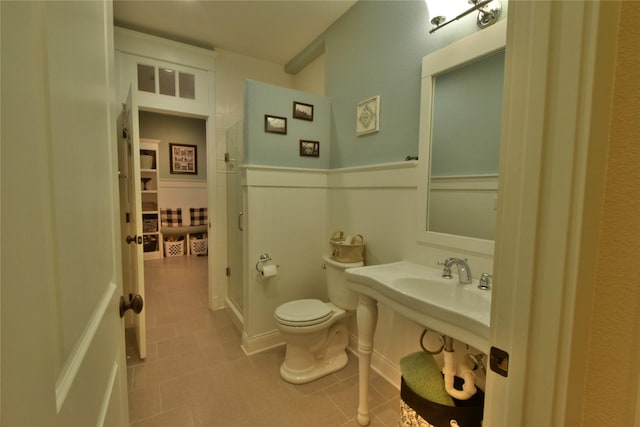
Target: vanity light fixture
[[441, 11]]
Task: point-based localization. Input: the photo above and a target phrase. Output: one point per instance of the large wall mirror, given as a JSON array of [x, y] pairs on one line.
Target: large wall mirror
[[460, 121]]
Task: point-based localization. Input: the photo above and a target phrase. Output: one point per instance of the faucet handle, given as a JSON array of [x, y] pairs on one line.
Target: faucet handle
[[485, 281]]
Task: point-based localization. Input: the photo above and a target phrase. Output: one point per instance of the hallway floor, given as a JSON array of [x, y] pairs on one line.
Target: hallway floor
[[196, 374]]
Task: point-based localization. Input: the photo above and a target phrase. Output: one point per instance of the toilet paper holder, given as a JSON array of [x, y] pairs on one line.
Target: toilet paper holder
[[262, 259]]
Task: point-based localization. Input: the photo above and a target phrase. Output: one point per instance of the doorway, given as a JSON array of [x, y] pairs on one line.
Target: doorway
[[182, 187]]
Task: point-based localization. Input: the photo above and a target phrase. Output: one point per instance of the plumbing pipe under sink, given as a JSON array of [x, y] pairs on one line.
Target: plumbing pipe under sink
[[449, 371]]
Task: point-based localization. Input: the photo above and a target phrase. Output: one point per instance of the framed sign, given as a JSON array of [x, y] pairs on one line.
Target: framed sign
[[183, 159], [368, 116]]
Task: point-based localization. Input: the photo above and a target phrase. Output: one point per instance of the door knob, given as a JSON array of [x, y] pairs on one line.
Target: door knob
[[134, 239], [135, 303]]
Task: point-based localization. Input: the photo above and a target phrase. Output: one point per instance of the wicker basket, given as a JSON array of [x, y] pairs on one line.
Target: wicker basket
[[150, 225], [199, 246], [150, 243], [416, 411], [146, 161], [173, 248], [346, 249]]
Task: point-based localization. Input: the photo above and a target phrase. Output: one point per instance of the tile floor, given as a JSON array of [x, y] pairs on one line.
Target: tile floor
[[196, 374]]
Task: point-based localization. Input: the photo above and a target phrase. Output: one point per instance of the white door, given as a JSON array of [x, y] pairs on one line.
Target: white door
[[62, 350], [130, 215], [552, 155]]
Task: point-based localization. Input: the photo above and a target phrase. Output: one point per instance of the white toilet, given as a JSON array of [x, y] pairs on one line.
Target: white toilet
[[316, 331]]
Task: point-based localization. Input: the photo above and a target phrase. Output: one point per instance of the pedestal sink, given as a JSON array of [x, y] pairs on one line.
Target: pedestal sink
[[419, 293]]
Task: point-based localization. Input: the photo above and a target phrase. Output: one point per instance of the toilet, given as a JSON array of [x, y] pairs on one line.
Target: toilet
[[315, 331]]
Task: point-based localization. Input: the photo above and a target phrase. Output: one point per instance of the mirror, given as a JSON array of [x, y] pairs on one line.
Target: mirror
[[465, 148], [459, 141]]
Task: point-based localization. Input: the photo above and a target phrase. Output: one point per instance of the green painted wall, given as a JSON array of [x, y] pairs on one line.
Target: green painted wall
[[180, 130], [376, 48], [271, 149]]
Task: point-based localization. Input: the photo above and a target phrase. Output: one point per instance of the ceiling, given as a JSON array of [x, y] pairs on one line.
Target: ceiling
[[275, 31]]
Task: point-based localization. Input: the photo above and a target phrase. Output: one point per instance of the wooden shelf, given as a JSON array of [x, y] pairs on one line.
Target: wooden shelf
[[150, 148]]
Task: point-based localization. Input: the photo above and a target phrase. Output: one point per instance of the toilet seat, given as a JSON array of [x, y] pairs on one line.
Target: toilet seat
[[303, 312]]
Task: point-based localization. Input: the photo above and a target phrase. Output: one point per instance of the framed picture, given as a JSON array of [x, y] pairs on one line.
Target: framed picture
[[302, 111], [183, 159], [275, 124], [368, 116], [309, 148]]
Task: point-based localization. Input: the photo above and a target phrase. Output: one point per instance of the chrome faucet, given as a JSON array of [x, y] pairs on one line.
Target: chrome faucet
[[464, 272]]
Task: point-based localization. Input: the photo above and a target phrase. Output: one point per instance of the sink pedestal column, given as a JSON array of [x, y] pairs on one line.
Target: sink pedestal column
[[367, 316]]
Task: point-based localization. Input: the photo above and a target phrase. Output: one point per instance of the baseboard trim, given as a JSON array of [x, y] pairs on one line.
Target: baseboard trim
[[262, 342], [272, 339], [380, 364], [236, 316], [386, 369], [215, 303]]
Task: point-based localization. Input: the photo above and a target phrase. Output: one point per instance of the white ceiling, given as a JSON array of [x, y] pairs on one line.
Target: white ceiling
[[275, 31]]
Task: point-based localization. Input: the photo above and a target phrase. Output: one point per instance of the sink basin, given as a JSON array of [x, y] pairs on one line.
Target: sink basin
[[420, 293]]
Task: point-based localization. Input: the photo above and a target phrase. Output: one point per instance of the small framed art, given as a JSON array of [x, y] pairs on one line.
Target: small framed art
[[302, 111], [275, 124], [183, 159], [368, 116], [309, 148]]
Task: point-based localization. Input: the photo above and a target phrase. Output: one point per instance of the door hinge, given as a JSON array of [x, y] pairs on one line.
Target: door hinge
[[226, 157], [228, 271]]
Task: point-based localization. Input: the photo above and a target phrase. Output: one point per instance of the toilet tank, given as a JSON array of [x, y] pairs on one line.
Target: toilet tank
[[337, 288]]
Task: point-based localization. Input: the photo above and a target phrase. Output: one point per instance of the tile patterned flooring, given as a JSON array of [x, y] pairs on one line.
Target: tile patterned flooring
[[196, 374]]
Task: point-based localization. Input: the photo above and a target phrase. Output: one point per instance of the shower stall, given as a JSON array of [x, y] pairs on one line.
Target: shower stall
[[234, 159]]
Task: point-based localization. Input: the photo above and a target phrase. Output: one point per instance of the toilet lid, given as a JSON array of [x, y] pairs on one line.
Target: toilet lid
[[303, 312]]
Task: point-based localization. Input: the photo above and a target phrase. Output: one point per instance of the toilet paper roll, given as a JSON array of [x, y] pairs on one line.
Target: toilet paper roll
[[269, 270]]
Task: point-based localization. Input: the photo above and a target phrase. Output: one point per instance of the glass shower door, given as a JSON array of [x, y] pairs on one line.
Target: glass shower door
[[234, 159]]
